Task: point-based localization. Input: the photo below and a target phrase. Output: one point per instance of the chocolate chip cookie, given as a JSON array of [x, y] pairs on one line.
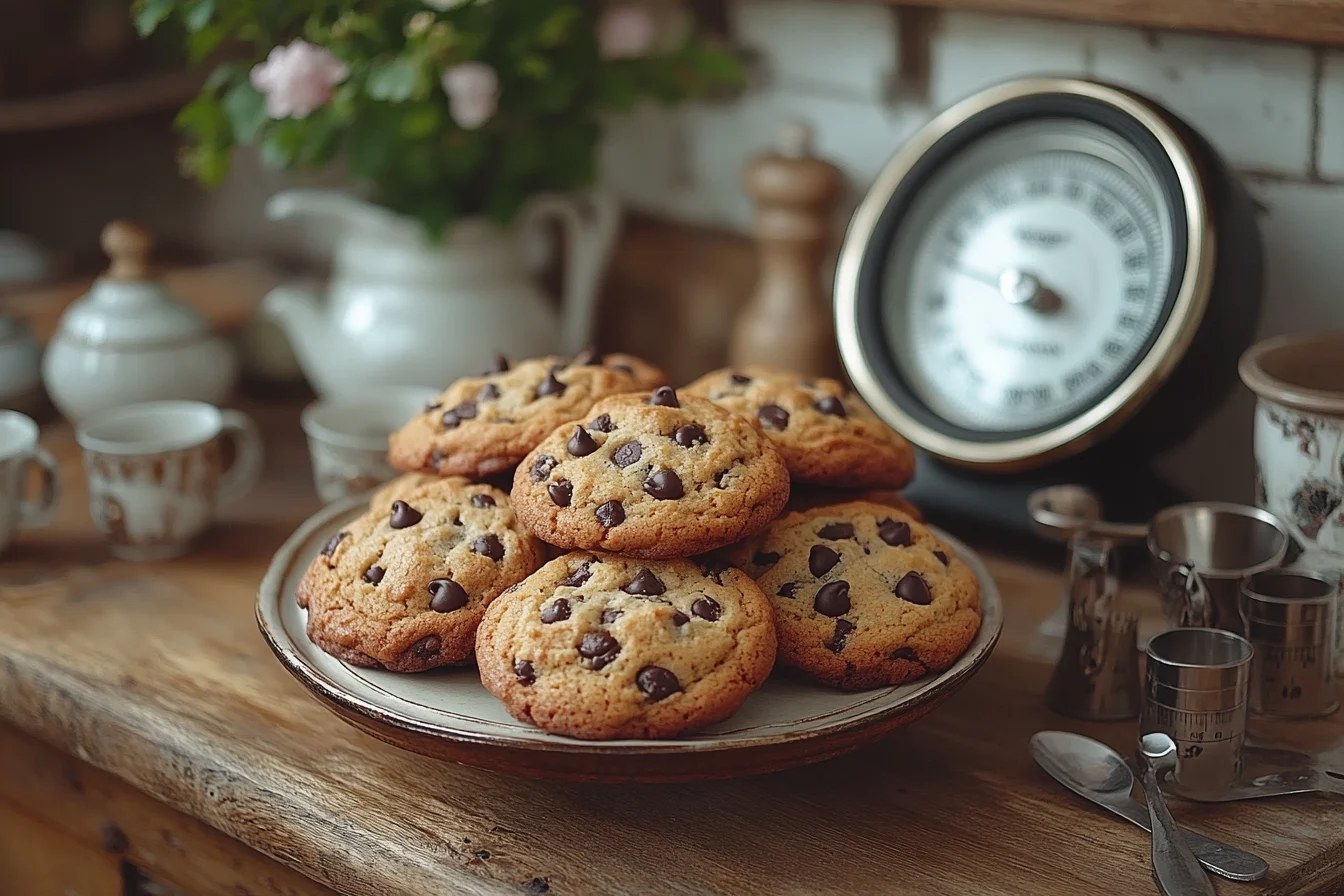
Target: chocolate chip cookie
[[651, 475], [826, 434], [405, 585], [600, 647], [864, 595], [482, 425]]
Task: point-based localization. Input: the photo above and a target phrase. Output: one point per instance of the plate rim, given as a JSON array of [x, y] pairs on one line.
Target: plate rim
[[271, 626]]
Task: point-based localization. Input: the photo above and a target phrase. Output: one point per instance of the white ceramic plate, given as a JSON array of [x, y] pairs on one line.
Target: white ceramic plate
[[448, 714]]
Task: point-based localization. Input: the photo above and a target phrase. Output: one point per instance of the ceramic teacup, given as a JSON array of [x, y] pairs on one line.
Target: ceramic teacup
[[156, 472], [1299, 446], [347, 438], [19, 453]]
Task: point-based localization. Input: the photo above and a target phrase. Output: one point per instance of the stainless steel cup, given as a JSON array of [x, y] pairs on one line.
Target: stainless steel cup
[[1202, 551], [1196, 688], [1290, 620]]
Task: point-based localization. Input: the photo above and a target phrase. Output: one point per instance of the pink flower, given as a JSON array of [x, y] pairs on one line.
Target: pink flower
[[298, 79], [473, 93], [625, 32]]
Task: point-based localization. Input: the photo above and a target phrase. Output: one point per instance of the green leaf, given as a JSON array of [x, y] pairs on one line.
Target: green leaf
[[421, 120], [209, 164], [534, 67], [393, 81], [198, 14], [373, 144], [556, 27], [150, 14], [246, 108], [322, 139], [204, 120], [223, 74], [201, 44], [282, 142]]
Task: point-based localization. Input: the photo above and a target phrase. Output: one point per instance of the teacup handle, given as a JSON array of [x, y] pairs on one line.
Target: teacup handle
[[39, 512], [248, 456]]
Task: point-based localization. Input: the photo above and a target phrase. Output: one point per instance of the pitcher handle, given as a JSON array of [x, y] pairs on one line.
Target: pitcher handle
[[590, 220]]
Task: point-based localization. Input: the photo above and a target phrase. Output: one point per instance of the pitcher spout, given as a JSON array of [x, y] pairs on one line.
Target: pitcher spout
[[331, 204], [302, 316]]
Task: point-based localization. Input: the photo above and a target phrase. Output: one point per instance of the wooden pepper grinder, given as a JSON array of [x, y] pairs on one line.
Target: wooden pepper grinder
[[787, 322]]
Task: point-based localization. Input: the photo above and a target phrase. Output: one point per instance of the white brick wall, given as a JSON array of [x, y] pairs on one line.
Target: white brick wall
[[830, 64]]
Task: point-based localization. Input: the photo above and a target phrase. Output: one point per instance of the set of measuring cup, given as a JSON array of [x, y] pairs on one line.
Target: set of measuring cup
[[1248, 635]]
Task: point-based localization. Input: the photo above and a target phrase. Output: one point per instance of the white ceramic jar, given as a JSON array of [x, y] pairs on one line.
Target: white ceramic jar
[[128, 341]]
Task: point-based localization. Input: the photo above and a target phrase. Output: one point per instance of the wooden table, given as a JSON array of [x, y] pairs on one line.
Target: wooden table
[[147, 733]]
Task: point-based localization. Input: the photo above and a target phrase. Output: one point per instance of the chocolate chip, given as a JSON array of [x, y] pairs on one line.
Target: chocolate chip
[[501, 365], [581, 444], [690, 435], [404, 515], [831, 405], [788, 589], [587, 358], [772, 416], [895, 533], [679, 619], [739, 379], [561, 492], [465, 411], [624, 368], [941, 556], [664, 485], [374, 574], [644, 584], [330, 547], [524, 671], [435, 455], [489, 392], [488, 546], [542, 467], [906, 653], [482, 854], [832, 598], [820, 560], [556, 611], [579, 576], [599, 648], [765, 558], [664, 396], [432, 406], [550, 386], [610, 514], [601, 423], [836, 531], [843, 629], [707, 608], [626, 454], [715, 568], [914, 589], [537, 886], [610, 616], [482, 501], [427, 647], [446, 596], [657, 682]]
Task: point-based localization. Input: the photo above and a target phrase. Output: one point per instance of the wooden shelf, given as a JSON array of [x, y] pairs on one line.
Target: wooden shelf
[[104, 102], [1301, 21]]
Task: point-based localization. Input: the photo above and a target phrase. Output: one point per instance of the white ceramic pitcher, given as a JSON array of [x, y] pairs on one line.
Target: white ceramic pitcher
[[402, 312]]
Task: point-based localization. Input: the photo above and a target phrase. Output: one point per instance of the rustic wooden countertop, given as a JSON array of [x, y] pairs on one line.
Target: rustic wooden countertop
[[156, 674]]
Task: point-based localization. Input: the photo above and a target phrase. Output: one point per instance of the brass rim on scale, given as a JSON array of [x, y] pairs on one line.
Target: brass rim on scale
[[1174, 335]]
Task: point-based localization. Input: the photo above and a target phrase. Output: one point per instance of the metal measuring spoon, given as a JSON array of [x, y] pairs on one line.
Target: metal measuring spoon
[[1174, 864], [1097, 773], [1058, 512], [1310, 780]]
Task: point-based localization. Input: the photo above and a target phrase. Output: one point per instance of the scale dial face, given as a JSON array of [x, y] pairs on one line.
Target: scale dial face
[[1028, 276]]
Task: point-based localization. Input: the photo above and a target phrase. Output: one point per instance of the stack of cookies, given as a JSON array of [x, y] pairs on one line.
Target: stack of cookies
[[638, 578]]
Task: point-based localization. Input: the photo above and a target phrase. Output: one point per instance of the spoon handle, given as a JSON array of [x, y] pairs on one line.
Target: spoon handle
[[1221, 858], [1174, 865]]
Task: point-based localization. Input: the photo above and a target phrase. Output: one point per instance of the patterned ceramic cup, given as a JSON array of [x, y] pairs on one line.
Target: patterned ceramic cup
[[347, 438], [19, 452], [156, 472], [1299, 445]]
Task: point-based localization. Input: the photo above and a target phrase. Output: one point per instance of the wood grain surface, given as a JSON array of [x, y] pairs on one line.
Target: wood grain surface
[[155, 673]]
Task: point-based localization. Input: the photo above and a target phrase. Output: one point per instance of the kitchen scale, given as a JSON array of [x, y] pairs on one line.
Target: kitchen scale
[[1051, 282]]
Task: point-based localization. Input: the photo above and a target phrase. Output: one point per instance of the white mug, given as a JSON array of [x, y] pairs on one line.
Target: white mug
[[156, 472], [19, 452], [347, 438]]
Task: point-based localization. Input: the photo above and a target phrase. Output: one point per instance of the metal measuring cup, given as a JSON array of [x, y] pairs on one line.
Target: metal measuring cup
[[1201, 552], [1196, 688], [1290, 620]]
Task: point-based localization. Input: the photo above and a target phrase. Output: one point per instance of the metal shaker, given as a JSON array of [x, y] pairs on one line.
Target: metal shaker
[[1290, 619]]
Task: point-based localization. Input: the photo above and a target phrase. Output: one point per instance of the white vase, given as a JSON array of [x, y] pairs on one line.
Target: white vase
[[400, 311]]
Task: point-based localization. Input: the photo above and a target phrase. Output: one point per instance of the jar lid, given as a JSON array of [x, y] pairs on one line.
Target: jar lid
[[126, 306]]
